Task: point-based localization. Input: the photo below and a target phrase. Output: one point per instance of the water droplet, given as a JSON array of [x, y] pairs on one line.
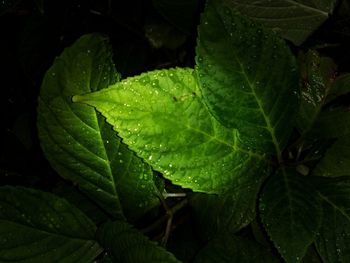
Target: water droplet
[[150, 157], [121, 161]]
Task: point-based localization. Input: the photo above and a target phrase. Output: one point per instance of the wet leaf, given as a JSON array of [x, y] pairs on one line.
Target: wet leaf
[[333, 239], [248, 76], [291, 213], [162, 117], [229, 211], [40, 227], [78, 142], [317, 75], [294, 20], [128, 245]]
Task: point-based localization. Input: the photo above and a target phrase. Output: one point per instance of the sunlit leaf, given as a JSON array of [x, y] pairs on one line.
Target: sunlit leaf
[[128, 245], [78, 142], [39, 227], [248, 76], [295, 20], [291, 213], [162, 117]]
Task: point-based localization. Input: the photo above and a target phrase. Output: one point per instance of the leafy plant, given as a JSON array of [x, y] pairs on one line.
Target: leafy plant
[[243, 158]]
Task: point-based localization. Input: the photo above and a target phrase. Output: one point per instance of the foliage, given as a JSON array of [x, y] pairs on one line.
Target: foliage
[[238, 153]]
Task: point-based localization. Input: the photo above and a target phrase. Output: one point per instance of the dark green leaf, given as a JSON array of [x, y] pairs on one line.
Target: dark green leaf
[[229, 248], [128, 245], [78, 142], [40, 227], [333, 239], [162, 117], [317, 75], [312, 256], [248, 76], [81, 201], [336, 161], [331, 123], [295, 20], [341, 86], [229, 211], [291, 213]]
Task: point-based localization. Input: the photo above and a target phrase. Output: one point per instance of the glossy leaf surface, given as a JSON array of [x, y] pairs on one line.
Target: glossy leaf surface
[[248, 76], [39, 227], [162, 117], [317, 75], [128, 245], [294, 20], [78, 142], [291, 213]]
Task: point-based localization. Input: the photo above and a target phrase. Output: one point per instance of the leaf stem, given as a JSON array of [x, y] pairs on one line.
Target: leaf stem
[[165, 217]]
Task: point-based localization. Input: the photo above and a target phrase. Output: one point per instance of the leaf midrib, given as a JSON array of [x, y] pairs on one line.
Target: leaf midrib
[[269, 127], [334, 206]]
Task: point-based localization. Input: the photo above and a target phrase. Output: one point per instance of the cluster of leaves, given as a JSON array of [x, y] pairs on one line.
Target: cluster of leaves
[[243, 158]]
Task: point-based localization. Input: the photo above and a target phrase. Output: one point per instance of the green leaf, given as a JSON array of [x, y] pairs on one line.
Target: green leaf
[[181, 13], [295, 20], [229, 211], [341, 86], [81, 201], [78, 142], [317, 74], [331, 123], [333, 239], [291, 213], [230, 248], [249, 77], [126, 244], [162, 117], [336, 161], [39, 227]]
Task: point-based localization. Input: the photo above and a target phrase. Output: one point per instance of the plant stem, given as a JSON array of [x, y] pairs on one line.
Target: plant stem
[[165, 217]]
